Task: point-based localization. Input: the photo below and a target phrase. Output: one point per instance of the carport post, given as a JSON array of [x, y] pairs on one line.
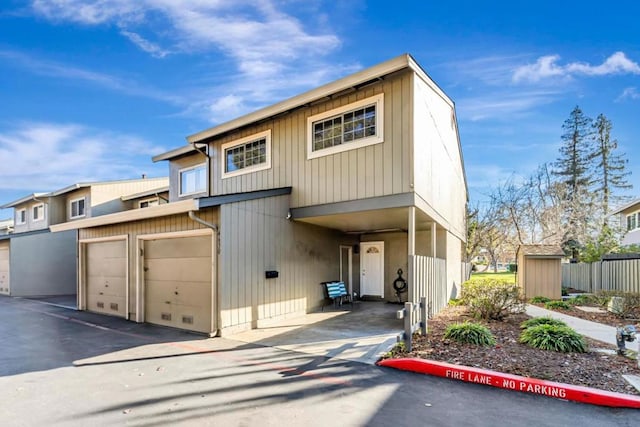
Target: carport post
[[411, 251]]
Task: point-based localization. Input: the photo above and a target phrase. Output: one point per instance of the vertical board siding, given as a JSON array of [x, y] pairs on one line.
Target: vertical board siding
[[258, 237], [428, 279], [620, 275], [371, 171], [149, 226]]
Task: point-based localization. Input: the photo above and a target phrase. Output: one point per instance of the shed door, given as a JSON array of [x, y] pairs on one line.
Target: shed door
[[106, 277], [4, 268], [177, 278]]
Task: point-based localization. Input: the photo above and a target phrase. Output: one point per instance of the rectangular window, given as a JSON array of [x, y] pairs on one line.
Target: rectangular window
[[21, 216], [632, 221], [245, 155], [77, 208], [38, 212], [346, 128], [193, 180]]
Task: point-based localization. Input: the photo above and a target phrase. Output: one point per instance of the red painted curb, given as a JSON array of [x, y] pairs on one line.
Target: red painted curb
[[514, 382]]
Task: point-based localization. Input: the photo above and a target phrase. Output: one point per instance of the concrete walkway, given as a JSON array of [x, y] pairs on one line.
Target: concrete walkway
[[593, 330]]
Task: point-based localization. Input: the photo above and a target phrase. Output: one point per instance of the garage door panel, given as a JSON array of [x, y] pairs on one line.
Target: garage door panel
[[179, 269], [106, 277], [177, 277], [187, 247]]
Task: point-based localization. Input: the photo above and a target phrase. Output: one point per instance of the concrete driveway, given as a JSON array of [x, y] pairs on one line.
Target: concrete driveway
[[361, 334]]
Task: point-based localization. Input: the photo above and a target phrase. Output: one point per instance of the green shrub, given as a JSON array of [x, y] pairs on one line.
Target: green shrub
[[470, 333], [582, 300], [489, 298], [557, 305], [539, 300], [456, 301], [555, 338], [541, 321], [565, 292]]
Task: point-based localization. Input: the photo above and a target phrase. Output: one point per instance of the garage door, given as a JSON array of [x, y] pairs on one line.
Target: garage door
[[177, 274], [106, 277], [4, 267]]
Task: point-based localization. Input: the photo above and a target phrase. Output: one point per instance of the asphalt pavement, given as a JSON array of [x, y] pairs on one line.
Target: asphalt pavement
[[60, 367]]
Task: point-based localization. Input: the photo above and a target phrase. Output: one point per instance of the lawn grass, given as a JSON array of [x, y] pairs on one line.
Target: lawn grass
[[503, 275]]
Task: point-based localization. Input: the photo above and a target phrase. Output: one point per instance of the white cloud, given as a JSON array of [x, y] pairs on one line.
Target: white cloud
[[46, 156], [144, 44], [502, 105], [629, 93], [274, 54], [547, 67]]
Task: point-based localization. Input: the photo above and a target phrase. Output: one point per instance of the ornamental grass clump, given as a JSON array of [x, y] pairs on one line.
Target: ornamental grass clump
[[470, 333], [554, 305], [539, 300], [492, 299], [530, 323], [562, 339]]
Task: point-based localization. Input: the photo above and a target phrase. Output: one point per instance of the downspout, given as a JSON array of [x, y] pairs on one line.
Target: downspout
[[214, 227]]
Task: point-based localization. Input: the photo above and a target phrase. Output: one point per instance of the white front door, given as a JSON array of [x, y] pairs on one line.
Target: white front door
[[372, 268]]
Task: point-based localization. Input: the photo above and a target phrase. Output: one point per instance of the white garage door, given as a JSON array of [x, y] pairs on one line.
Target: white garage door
[[106, 277], [4, 268], [177, 275]]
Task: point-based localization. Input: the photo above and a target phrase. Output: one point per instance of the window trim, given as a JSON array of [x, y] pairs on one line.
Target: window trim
[[378, 138], [33, 209], [19, 216], [187, 169], [84, 209], [266, 135], [636, 220]]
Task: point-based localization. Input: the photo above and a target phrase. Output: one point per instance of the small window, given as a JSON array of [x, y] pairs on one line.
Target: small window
[[346, 128], [148, 202], [77, 208], [38, 212], [632, 221], [193, 180], [245, 155], [21, 216]]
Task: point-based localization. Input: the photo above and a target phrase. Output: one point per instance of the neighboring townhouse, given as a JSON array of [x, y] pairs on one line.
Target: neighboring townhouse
[[41, 263], [350, 181], [630, 219], [6, 226]]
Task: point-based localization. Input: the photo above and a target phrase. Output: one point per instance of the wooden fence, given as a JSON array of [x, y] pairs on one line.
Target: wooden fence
[[619, 275], [428, 278]]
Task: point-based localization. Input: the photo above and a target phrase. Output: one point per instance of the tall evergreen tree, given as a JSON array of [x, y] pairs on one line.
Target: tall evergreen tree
[[574, 172], [611, 167]]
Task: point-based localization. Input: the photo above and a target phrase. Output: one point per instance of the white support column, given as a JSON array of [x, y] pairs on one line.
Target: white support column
[[411, 251], [433, 239]]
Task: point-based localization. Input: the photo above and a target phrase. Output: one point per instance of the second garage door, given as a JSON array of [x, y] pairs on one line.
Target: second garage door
[[4, 267], [177, 278], [106, 277]]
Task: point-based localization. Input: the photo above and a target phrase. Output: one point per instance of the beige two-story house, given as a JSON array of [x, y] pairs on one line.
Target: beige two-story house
[[40, 263], [629, 216], [350, 181]]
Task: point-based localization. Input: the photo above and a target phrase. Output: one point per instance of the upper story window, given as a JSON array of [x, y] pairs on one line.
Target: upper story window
[[346, 128], [77, 208], [245, 155], [21, 216], [633, 221], [38, 212], [148, 202], [193, 180]]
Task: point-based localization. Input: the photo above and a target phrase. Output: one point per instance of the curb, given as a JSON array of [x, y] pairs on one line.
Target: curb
[[514, 382]]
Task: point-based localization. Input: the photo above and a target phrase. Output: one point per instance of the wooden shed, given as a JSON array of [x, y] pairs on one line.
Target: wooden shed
[[540, 270]]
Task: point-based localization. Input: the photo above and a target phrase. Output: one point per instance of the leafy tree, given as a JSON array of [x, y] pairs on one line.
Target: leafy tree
[[606, 242], [573, 171], [610, 166]]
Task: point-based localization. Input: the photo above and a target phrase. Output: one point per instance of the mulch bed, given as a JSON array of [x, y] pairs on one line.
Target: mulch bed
[[591, 369]]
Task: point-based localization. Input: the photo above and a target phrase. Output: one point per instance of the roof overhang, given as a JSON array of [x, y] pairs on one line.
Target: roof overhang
[[148, 193], [338, 87], [177, 152], [166, 209], [30, 197], [627, 206]]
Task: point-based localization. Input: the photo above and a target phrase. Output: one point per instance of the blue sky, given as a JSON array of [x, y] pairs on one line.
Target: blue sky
[[90, 90]]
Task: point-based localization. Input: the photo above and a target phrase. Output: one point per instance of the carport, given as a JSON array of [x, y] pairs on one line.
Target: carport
[[361, 334]]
